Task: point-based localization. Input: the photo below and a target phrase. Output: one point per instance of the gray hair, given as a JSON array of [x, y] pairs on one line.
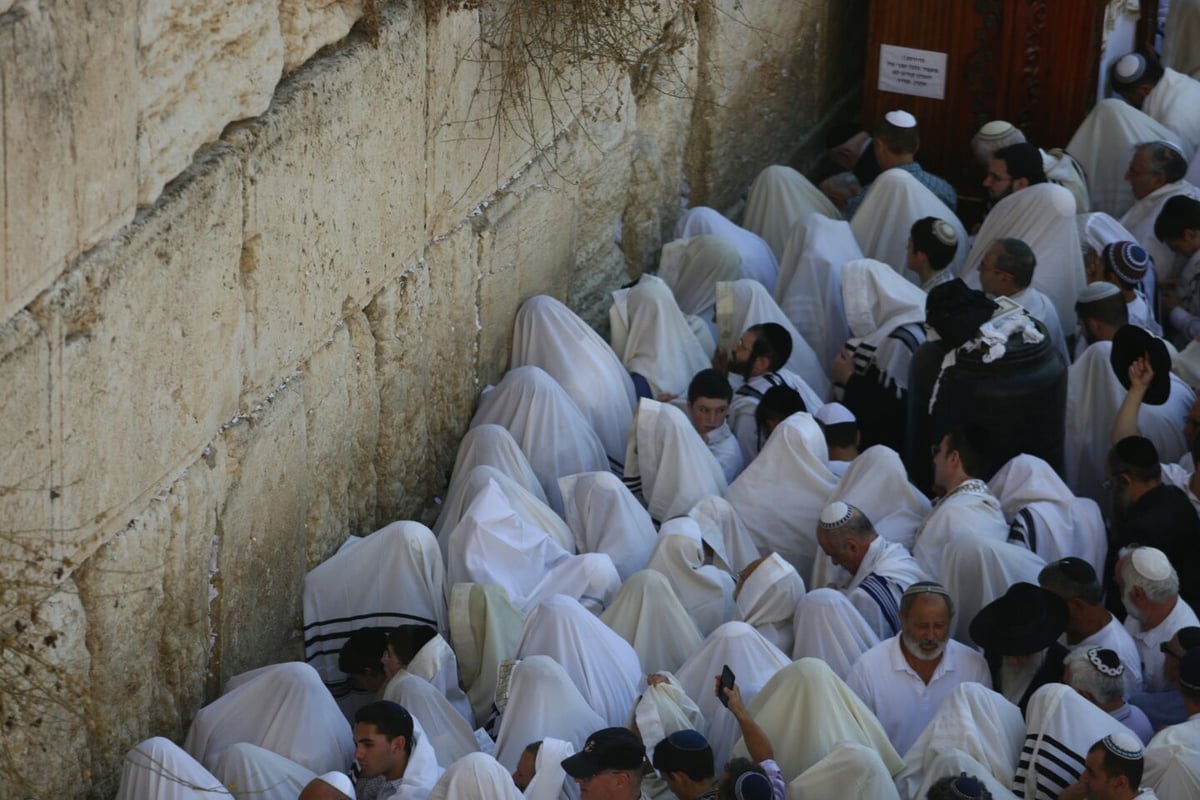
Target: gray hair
[[1156, 591], [1164, 159], [1086, 678]]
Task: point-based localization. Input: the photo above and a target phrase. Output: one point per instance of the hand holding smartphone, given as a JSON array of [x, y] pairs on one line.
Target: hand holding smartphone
[[726, 683]]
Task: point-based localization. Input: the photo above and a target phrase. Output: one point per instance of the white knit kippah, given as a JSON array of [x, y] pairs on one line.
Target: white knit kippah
[[1151, 563], [994, 129], [901, 119], [1124, 744], [944, 232], [836, 514], [1130, 67], [1097, 291], [834, 414]]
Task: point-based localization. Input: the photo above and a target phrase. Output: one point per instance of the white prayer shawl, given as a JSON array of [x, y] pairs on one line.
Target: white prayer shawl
[[423, 770], [1181, 37], [589, 578], [704, 590], [850, 770], [255, 773], [753, 661], [744, 408], [476, 776], [604, 666], [1061, 726], [664, 709], [393, 577], [492, 544], [977, 570], [1041, 308], [542, 702], [552, 432], [449, 734], [833, 715], [605, 517], [1094, 395], [1103, 144], [158, 769], [829, 627], [1098, 229], [484, 445], [810, 282], [647, 614], [1064, 170], [668, 462], [758, 260], [955, 762], [549, 335], [1044, 516], [525, 504], [875, 589], [882, 222], [1173, 761], [778, 198], [1042, 216], [550, 780], [284, 708], [1175, 102], [877, 302], [485, 628], [975, 720], [1139, 221], [436, 663], [768, 598], [723, 530], [653, 338], [877, 484], [743, 303], [693, 277], [780, 494], [969, 510]]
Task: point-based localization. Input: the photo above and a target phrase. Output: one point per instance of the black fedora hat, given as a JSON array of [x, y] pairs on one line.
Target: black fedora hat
[[1024, 620], [1130, 343]]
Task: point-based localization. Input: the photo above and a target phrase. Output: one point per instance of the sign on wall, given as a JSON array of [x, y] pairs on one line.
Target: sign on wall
[[905, 70]]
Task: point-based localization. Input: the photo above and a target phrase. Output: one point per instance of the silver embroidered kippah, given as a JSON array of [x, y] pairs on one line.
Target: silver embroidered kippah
[[1124, 745], [1102, 659], [944, 232], [835, 515]]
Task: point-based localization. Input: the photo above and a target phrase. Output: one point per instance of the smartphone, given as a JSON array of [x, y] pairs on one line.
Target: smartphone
[[726, 683]]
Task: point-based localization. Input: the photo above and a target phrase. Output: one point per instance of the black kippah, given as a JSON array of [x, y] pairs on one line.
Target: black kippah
[[1137, 451]]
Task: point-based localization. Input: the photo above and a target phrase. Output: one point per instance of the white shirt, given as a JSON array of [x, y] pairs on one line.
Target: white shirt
[[1148, 642], [902, 701], [1169, 747], [1113, 636]]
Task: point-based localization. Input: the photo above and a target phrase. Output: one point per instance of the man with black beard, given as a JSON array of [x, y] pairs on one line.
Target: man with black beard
[[1145, 511], [758, 357]]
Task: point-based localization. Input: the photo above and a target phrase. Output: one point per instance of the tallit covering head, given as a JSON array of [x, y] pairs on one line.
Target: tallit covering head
[[549, 335], [810, 282], [284, 708], [602, 664], [828, 626], [978, 570], [809, 690], [477, 776], [1099, 229], [669, 461], [877, 484], [484, 445], [664, 709], [758, 260], [704, 590], [778, 198], [493, 544], [723, 530], [550, 781], [392, 577], [1042, 216], [743, 303], [255, 772], [605, 517], [882, 222], [589, 578], [850, 770], [768, 599], [448, 733], [485, 628], [1061, 726], [656, 342], [158, 768], [877, 302], [974, 720], [753, 660], [524, 503], [705, 261], [542, 702], [1057, 524], [552, 432], [780, 494], [647, 614], [436, 662]]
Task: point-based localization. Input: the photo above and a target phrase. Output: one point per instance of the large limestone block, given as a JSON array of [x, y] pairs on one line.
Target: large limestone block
[[334, 193], [260, 526], [144, 338], [203, 65], [341, 405], [44, 699], [68, 114], [309, 25], [152, 578]]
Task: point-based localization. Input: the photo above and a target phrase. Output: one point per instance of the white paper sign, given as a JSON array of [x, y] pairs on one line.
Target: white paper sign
[[907, 71]]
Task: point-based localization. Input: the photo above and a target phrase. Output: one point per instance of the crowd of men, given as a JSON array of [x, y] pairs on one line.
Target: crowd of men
[[692, 559]]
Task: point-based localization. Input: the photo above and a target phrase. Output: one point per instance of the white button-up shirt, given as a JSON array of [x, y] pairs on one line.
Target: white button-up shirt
[[1148, 642]]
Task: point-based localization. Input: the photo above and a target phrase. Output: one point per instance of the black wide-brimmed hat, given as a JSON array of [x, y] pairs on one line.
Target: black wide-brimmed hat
[[1023, 621], [1131, 343], [956, 311]]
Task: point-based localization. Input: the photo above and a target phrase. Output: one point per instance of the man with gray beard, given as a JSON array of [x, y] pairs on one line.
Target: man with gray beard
[[1149, 590], [1019, 635]]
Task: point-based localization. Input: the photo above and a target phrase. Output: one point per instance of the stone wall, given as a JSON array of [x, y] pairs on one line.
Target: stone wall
[[227, 345]]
